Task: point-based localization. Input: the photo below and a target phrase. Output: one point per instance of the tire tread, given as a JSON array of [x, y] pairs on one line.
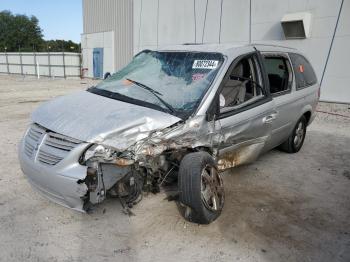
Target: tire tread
[[189, 182]]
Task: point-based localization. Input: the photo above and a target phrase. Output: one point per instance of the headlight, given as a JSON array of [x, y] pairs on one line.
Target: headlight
[[152, 150], [98, 151], [108, 155]]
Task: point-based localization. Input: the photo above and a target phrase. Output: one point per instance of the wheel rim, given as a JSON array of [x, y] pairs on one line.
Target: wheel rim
[[212, 189], [299, 134]]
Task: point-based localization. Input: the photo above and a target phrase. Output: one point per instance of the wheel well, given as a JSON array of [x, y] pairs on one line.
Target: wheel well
[[204, 148], [307, 116]]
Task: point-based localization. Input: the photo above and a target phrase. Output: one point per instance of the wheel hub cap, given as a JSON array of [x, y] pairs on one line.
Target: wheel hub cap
[[212, 189], [299, 134]]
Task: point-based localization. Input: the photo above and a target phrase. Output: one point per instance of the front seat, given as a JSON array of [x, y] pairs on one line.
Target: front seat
[[235, 90]]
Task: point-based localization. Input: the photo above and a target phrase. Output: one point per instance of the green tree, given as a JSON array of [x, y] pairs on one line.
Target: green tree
[[23, 33], [20, 32], [61, 45]]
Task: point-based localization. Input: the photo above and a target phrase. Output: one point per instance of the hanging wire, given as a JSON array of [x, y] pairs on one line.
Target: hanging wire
[[250, 21], [195, 21], [140, 26], [331, 45], [158, 23], [205, 20], [220, 21]]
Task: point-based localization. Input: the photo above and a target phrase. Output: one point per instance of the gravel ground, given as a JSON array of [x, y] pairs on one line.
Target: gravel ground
[[280, 208]]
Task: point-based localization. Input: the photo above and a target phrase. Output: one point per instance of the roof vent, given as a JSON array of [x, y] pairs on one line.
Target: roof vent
[[296, 25]]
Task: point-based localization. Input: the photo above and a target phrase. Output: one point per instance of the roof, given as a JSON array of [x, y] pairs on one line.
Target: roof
[[222, 48]]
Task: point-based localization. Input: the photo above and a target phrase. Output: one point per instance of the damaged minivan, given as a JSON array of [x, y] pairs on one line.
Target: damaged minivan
[[180, 116]]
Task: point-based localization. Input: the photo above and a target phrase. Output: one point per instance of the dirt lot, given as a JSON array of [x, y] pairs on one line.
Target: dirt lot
[[281, 208]]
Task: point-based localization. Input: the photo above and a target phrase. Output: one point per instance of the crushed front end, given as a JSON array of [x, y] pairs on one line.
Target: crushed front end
[[79, 175]]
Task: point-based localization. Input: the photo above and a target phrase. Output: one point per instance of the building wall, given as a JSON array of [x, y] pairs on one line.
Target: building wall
[[337, 74], [104, 18], [142, 24], [95, 40], [165, 22]]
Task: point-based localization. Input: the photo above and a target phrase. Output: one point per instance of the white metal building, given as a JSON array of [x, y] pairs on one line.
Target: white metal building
[[114, 30]]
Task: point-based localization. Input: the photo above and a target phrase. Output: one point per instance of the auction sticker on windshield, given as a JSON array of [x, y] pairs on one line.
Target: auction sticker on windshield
[[205, 64]]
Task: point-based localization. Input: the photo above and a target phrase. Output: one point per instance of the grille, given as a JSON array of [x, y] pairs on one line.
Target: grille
[[33, 138], [48, 158], [53, 146]]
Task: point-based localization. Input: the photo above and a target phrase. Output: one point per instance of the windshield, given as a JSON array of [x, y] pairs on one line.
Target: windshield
[[174, 82]]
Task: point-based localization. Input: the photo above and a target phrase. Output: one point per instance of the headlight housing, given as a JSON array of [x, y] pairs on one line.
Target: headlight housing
[[152, 150], [98, 151], [107, 154]]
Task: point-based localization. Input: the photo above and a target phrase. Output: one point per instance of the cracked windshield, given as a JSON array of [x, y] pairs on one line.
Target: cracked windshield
[[174, 82]]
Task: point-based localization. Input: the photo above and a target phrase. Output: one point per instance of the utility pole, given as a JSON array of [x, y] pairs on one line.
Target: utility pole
[[64, 63], [49, 59], [20, 59], [7, 61]]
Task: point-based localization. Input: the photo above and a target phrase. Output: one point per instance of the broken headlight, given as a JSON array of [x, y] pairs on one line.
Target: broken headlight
[[108, 155], [152, 150], [99, 152]]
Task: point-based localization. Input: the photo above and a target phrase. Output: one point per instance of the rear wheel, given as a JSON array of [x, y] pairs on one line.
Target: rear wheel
[[296, 140], [201, 188]]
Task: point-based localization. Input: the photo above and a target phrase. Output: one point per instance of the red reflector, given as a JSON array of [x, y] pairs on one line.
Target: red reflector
[[301, 68]]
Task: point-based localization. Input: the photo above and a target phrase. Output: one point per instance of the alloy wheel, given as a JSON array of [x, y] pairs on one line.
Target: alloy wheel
[[212, 189], [299, 134]]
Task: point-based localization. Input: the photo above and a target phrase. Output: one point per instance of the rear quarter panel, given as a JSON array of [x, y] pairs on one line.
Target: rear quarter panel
[[307, 99]]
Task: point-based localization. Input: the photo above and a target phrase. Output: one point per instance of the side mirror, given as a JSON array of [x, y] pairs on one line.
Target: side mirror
[[214, 109], [107, 75]]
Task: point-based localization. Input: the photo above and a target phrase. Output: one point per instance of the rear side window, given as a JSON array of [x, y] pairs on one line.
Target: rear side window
[[304, 74], [279, 73]]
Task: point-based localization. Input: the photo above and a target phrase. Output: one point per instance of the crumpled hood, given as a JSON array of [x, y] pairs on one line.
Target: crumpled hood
[[94, 118]]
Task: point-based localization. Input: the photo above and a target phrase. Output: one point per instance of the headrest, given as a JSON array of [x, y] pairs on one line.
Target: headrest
[[238, 70]]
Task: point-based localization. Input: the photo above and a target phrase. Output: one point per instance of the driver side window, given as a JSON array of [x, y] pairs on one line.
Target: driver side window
[[243, 86]]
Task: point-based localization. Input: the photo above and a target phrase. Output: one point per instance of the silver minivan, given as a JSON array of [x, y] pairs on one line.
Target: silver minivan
[[174, 116]]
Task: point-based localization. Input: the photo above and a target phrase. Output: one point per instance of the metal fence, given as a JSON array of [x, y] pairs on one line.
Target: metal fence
[[50, 64]]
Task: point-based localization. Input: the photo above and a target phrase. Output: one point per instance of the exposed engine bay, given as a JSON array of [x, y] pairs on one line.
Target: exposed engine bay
[[144, 167], [127, 182]]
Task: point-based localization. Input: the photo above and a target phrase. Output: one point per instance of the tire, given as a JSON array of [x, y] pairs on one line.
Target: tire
[[296, 140], [201, 191]]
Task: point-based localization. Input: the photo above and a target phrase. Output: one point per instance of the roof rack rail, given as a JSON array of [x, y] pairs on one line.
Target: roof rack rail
[[253, 44], [192, 44]]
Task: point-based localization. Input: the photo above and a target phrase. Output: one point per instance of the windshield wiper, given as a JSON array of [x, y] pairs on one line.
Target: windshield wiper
[[154, 92]]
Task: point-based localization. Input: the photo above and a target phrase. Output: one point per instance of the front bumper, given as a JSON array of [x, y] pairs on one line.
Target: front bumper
[[58, 183]]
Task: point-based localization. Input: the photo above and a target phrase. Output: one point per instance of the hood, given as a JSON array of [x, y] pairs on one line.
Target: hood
[[96, 119]]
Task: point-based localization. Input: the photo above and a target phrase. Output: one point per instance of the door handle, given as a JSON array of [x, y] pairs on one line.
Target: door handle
[[269, 119]]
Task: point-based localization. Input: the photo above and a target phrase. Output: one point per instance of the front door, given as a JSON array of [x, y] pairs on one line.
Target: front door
[[245, 113], [98, 62]]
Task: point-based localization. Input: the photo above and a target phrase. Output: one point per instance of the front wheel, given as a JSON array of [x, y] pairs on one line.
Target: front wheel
[[296, 140], [201, 188]]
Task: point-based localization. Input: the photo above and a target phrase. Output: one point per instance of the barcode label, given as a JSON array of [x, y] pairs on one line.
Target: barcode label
[[205, 64]]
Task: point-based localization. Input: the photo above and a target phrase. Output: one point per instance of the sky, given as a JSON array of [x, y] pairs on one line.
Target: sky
[[59, 19]]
